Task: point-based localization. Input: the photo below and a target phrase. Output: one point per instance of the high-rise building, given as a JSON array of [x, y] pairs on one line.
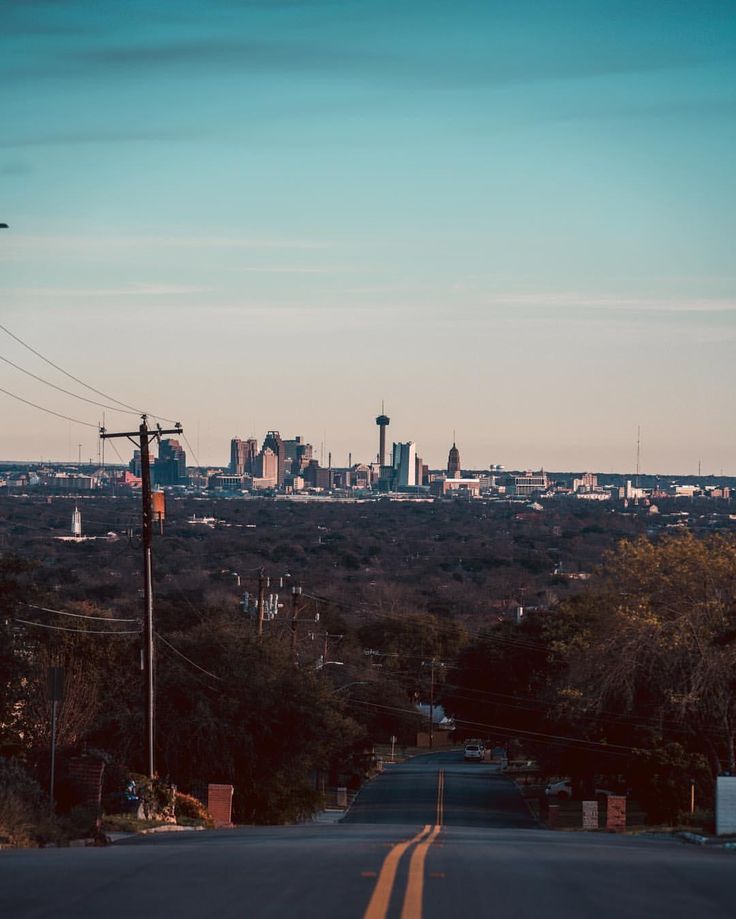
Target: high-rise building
[[171, 466], [273, 442], [453, 463], [238, 455], [297, 455], [405, 464], [267, 465], [304, 456], [383, 422]]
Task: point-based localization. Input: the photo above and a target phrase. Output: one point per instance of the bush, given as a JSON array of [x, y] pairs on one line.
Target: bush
[[24, 817], [190, 811]]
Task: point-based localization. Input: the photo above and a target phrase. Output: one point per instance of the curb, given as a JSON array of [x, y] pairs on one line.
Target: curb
[[694, 838]]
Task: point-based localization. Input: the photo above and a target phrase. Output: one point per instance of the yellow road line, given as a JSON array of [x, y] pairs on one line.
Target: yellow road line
[[440, 797], [378, 905], [412, 908]]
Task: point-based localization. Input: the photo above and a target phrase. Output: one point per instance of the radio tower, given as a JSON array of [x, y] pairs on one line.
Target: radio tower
[[383, 422]]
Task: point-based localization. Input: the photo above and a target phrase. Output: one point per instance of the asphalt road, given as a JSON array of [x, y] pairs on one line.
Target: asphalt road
[[434, 837]]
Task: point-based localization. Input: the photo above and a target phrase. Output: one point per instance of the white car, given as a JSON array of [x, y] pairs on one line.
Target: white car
[[473, 752]]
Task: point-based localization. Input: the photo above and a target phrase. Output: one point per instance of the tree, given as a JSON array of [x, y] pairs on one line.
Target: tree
[[664, 646]]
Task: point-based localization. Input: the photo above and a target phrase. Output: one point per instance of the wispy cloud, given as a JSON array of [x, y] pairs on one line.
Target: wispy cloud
[[68, 243], [604, 302], [130, 290]]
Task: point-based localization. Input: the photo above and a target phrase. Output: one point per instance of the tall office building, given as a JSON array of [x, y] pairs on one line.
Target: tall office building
[[242, 455], [267, 465], [171, 466], [405, 464], [238, 455], [297, 455], [272, 441], [453, 463]]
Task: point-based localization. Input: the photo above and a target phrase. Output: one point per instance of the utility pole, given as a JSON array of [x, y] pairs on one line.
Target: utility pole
[[142, 439], [261, 600], [431, 705], [295, 593]]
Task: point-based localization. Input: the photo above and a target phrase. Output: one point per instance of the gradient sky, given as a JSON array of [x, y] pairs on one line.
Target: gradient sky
[[512, 219]]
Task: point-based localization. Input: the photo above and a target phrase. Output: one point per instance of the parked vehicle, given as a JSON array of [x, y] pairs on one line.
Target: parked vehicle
[[564, 790], [473, 752]]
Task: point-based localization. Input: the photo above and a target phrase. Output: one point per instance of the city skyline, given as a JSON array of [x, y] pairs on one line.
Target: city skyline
[[512, 221]]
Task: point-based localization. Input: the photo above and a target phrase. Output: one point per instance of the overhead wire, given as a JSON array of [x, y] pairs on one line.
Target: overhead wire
[[58, 612], [187, 659], [71, 376], [49, 411], [556, 738], [67, 392], [60, 628]]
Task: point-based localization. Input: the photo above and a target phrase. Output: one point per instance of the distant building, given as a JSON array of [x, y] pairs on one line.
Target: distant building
[[316, 476], [272, 441], [77, 522], [455, 486], [383, 422], [228, 481], [267, 466], [61, 481], [135, 464], [242, 455], [453, 463], [405, 464], [587, 482], [529, 484], [170, 468], [360, 476]]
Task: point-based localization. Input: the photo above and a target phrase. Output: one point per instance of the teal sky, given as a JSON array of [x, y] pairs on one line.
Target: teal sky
[[512, 219]]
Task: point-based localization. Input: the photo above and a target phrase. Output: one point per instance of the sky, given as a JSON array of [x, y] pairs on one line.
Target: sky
[[511, 220]]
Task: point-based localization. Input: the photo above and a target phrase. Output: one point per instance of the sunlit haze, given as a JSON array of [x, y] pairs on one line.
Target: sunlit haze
[[511, 220]]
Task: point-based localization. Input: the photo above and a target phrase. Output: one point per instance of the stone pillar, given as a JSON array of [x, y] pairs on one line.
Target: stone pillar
[[553, 816]]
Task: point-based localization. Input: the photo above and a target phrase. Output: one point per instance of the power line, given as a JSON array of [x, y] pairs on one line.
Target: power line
[[117, 453], [612, 748], [60, 628], [187, 659], [58, 612], [65, 391], [71, 376], [191, 449], [41, 408]]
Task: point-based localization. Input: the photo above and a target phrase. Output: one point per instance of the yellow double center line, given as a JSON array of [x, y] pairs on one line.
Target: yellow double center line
[[412, 908]]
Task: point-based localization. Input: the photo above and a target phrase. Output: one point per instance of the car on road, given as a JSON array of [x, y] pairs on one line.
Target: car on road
[[564, 790], [473, 751]]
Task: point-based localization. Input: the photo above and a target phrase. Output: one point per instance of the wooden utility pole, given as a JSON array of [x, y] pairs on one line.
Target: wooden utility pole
[[142, 439], [295, 593], [431, 706], [261, 600]]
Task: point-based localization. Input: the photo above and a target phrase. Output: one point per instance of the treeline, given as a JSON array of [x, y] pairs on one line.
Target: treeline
[[633, 681]]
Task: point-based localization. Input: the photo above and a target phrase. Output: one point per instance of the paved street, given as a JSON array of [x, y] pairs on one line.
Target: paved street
[[434, 837]]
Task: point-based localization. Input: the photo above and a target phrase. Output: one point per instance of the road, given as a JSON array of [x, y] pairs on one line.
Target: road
[[432, 838]]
